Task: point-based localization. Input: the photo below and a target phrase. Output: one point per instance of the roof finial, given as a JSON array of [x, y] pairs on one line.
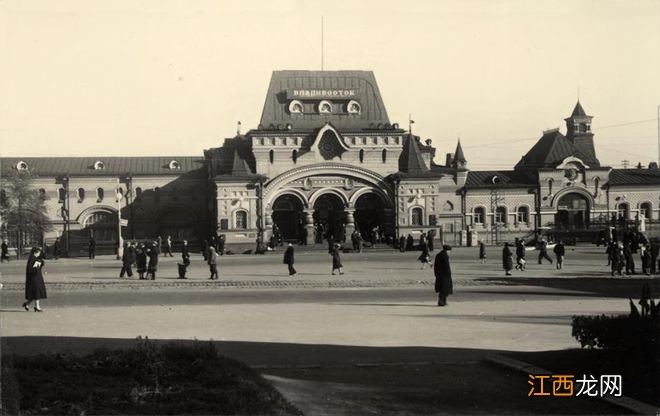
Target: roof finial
[[410, 123], [238, 128], [578, 92], [321, 43]]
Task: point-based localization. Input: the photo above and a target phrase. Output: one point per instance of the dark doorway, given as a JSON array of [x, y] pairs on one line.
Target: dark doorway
[[572, 212], [369, 213], [329, 213], [288, 216]]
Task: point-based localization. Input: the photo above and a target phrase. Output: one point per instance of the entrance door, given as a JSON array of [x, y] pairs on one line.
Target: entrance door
[[329, 213], [287, 215], [572, 212], [369, 213]]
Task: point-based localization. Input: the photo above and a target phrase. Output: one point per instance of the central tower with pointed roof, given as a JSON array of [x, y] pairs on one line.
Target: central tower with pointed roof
[[578, 131]]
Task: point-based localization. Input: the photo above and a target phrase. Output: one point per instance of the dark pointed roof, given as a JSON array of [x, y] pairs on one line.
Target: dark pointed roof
[[411, 160], [310, 87], [458, 154], [550, 150], [578, 110], [240, 166]]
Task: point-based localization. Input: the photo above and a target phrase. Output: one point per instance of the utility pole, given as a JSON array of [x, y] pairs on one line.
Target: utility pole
[[658, 134], [321, 43]]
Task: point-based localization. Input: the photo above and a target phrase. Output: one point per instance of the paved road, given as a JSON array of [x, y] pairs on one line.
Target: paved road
[[382, 313]]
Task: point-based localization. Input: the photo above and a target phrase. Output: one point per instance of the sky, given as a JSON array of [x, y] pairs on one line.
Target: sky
[[173, 77]]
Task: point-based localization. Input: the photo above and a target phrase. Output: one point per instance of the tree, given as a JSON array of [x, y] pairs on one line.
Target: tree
[[23, 209]]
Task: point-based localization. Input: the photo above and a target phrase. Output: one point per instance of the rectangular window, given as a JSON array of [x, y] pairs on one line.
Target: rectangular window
[[224, 224], [500, 215], [479, 216], [523, 215]]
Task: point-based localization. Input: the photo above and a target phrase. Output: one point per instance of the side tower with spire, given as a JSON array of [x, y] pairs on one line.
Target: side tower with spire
[[578, 131]]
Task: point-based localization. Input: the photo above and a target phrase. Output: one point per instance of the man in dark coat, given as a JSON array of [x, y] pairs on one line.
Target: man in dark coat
[[91, 248], [35, 289], [402, 243], [205, 249], [543, 252], [409, 242], [288, 259], [221, 245], [430, 236], [4, 250], [126, 262], [520, 254], [442, 270]]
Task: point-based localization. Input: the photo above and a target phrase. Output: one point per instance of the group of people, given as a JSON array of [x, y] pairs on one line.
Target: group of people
[[621, 254], [143, 256], [519, 248]]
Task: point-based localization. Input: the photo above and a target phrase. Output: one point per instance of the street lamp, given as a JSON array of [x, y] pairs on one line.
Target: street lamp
[[120, 241]]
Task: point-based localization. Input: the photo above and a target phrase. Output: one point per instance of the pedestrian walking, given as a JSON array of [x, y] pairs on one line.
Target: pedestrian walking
[[655, 253], [289, 259], [611, 248], [543, 252], [159, 247], [126, 262], [430, 236], [410, 242], [336, 259], [56, 249], [560, 251], [442, 271], [507, 259], [482, 252], [4, 252], [628, 258], [91, 248], [141, 260], [221, 245], [168, 245], [617, 258], [35, 289], [425, 256], [205, 250], [213, 263], [645, 254], [152, 266], [520, 255], [185, 257], [402, 243], [331, 243]]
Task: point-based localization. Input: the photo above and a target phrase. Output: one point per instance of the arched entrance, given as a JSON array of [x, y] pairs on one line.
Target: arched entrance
[[369, 213], [329, 216], [288, 216], [572, 212], [102, 226]]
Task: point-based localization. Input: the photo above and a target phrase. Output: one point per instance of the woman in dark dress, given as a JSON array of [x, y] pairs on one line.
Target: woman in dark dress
[[336, 259], [141, 260], [152, 267], [35, 289], [507, 259]]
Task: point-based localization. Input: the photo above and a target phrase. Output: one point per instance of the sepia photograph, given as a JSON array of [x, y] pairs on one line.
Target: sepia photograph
[[299, 207]]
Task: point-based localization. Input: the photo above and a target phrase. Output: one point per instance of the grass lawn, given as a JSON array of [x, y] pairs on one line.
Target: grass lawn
[[148, 379], [640, 378]]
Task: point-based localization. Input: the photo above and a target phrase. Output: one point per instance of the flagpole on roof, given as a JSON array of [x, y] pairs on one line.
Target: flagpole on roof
[[410, 123]]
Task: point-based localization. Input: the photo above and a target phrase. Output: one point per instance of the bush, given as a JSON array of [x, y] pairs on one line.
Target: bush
[[637, 332]]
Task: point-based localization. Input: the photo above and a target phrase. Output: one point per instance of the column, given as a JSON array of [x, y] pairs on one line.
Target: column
[[349, 221], [308, 217]]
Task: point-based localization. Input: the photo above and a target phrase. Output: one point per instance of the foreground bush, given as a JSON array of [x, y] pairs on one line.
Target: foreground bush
[[148, 379]]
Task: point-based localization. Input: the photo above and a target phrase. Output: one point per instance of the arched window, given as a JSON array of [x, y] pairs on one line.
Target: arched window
[[384, 155], [522, 214], [102, 225], [416, 216], [479, 215], [81, 194], [623, 210], [500, 215], [271, 156], [294, 155], [99, 194], [240, 221], [361, 155], [646, 210], [550, 181]]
